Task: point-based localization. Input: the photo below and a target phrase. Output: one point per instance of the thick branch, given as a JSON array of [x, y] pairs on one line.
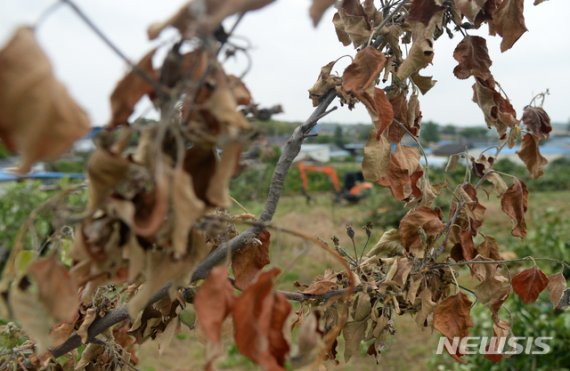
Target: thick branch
[[290, 151]]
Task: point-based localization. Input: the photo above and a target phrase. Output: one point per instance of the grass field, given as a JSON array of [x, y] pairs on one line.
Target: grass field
[[411, 348]]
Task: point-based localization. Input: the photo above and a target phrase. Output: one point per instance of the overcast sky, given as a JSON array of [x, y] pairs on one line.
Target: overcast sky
[[288, 53]]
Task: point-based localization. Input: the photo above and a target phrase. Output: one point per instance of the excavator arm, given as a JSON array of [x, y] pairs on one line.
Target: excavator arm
[[328, 170]]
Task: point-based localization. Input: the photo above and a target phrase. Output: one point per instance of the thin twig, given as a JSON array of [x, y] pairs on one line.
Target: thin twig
[[139, 71]]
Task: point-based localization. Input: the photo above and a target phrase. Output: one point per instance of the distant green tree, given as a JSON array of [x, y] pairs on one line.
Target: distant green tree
[[339, 139], [448, 130], [430, 132], [474, 132]]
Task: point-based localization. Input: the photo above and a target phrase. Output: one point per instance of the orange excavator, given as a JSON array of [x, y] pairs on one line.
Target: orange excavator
[[353, 190]]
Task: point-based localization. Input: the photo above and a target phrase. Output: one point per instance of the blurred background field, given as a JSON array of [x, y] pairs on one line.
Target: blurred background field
[[411, 348]]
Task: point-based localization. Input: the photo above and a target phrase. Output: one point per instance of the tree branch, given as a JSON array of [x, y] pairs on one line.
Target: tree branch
[[290, 151]]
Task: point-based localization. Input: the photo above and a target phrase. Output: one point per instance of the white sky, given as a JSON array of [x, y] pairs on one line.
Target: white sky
[[288, 53]]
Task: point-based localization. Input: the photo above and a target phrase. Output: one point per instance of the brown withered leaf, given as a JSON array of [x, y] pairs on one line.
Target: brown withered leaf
[[324, 83], [429, 220], [213, 303], [249, 260], [104, 171], [318, 9], [218, 193], [427, 306], [351, 24], [200, 162], [239, 90], [57, 291], [82, 331], [423, 11], [376, 161], [494, 289], [38, 118], [555, 287], [221, 110], [497, 110], [420, 56], [508, 21], [310, 342], [473, 58], [204, 16], [259, 316], [130, 89], [452, 317], [395, 131], [353, 333], [529, 153], [424, 83], [403, 172], [501, 329], [529, 283], [514, 203], [537, 121], [364, 70], [470, 8], [187, 207]]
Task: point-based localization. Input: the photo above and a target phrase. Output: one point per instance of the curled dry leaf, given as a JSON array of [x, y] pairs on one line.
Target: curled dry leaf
[[497, 110], [508, 21], [555, 287], [130, 90], [217, 193], [104, 171], [38, 118], [213, 302], [44, 295], [529, 283], [389, 243], [469, 8], [188, 208], [537, 121], [424, 218], [427, 306], [324, 83], [452, 318], [318, 9], [359, 79], [82, 331], [514, 203], [404, 170], [351, 24], [376, 161], [529, 153], [473, 58], [204, 16], [259, 316], [248, 261]]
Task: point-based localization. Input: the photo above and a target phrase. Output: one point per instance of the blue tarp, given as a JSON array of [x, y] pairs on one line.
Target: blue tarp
[[39, 175]]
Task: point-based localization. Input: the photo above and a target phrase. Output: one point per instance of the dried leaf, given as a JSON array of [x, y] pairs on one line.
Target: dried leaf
[[470, 8], [187, 210], [324, 83], [218, 193], [351, 24], [376, 161], [529, 283], [556, 286], [388, 243], [427, 306], [514, 203], [82, 331], [530, 155], [213, 302], [537, 121], [318, 9], [498, 111], [403, 172], [473, 58], [452, 317], [38, 117], [104, 171], [508, 21], [424, 218], [353, 333], [259, 316], [57, 291], [130, 89], [250, 259]]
